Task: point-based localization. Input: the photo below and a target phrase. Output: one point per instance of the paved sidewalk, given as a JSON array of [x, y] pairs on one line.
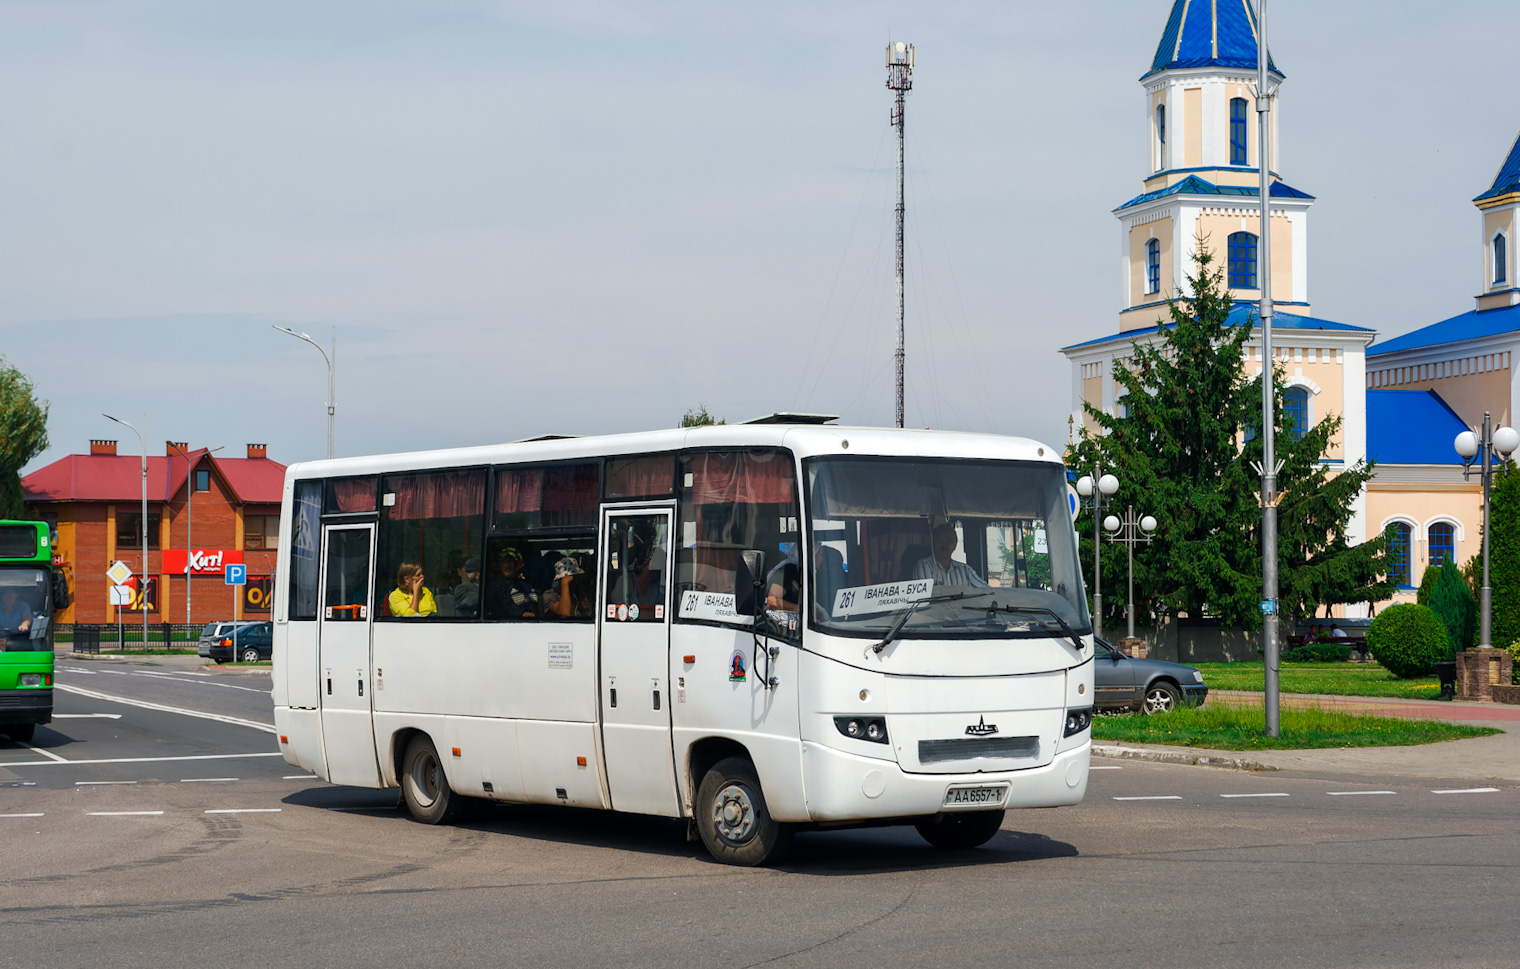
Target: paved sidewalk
[[179, 662], [1479, 758]]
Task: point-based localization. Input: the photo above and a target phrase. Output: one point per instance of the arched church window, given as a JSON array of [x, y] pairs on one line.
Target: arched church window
[[1160, 136], [1398, 554], [1296, 411], [1153, 266], [1242, 260], [1501, 259], [1441, 543], [1237, 131]]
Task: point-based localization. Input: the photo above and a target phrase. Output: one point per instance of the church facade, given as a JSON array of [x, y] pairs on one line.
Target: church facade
[[1401, 401]]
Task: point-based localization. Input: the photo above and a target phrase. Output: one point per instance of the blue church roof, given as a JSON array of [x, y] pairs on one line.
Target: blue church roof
[[1193, 185], [1508, 179], [1238, 314], [1411, 427], [1209, 33], [1468, 326]]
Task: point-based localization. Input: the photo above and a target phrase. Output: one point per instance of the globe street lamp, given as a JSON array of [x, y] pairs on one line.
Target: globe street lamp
[[1130, 531], [1493, 448], [1097, 492]]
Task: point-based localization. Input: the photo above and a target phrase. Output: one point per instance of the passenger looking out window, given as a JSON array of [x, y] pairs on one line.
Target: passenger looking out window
[[467, 590], [508, 594], [570, 594], [411, 598]]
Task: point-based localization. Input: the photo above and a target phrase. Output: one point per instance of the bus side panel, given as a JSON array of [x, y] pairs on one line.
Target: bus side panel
[[551, 770], [487, 755], [303, 733], [296, 663], [712, 701]]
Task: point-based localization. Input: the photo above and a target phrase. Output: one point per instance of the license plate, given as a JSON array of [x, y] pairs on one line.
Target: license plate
[[976, 796]]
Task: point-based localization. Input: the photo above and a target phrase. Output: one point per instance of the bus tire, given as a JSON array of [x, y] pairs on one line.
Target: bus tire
[[732, 818], [425, 786], [21, 733], [969, 829]]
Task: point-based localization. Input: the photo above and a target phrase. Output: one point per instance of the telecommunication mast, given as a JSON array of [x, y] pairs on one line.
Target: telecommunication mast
[[900, 80]]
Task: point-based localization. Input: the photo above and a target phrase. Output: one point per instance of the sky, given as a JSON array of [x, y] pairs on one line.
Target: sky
[[587, 217]]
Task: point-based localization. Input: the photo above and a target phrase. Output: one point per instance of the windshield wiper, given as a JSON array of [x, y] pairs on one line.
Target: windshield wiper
[[912, 607], [1034, 610]]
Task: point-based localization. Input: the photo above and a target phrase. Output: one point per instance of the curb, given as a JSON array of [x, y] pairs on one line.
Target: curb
[[1177, 757]]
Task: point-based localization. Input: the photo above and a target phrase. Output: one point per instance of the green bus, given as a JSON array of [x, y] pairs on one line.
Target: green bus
[[30, 591]]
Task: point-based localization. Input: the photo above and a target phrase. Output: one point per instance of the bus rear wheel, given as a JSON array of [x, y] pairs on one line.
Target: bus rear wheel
[[732, 818], [21, 733], [970, 829], [425, 786]]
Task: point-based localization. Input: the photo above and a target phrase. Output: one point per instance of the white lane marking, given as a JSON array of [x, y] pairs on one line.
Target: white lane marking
[[86, 716], [100, 783], [1253, 795], [18, 784], [46, 753], [1156, 797], [37, 815], [1105, 768], [72, 669], [136, 760], [1470, 790], [244, 811], [205, 780], [122, 814], [1356, 793], [164, 708], [299, 777]]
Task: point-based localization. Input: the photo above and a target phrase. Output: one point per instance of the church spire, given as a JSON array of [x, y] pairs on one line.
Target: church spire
[[1209, 33]]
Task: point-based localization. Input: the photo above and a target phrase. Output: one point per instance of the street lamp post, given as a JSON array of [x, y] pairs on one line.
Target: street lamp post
[[1097, 488], [331, 365], [189, 519], [1493, 448], [142, 578], [1130, 531]]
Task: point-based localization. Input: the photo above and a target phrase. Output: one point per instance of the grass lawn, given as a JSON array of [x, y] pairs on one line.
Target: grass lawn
[[1335, 679], [1242, 728]]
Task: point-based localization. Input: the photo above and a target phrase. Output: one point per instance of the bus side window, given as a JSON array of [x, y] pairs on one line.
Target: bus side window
[[305, 529], [431, 519]]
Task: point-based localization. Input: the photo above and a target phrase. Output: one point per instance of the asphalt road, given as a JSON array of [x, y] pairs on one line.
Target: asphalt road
[[205, 851]]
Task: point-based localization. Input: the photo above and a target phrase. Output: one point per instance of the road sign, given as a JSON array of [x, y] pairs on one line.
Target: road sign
[[121, 595], [118, 573], [1074, 503], [235, 574]]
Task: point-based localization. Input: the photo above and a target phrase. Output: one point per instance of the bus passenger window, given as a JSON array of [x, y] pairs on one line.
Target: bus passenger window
[[305, 527], [430, 522], [636, 548]]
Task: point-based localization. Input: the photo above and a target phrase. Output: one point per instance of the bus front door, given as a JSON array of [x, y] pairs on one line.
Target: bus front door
[[633, 625], [344, 616]]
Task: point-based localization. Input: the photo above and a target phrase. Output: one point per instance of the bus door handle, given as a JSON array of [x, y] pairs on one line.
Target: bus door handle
[[657, 699], [613, 693]]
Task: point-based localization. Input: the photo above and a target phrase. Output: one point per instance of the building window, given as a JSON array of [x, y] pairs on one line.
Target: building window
[[1398, 554], [1160, 136], [1441, 542], [261, 531], [129, 530], [1237, 131], [1153, 266], [1501, 260], [202, 480], [1242, 260], [1295, 407]]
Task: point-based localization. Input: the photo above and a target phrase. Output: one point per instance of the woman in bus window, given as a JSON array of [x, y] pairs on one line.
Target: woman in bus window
[[411, 598]]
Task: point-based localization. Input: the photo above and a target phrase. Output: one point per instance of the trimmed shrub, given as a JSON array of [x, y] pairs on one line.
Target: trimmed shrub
[[1408, 640], [1453, 604], [1427, 583], [1317, 653], [1514, 650]]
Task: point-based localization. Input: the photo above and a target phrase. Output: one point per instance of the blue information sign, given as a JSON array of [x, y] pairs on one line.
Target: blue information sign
[[235, 574]]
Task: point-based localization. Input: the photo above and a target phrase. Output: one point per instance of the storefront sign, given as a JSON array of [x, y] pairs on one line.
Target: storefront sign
[[201, 561]]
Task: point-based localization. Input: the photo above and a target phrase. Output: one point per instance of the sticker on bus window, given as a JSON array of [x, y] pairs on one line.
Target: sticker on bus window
[[633, 612], [364, 612], [329, 612], [885, 597], [622, 613], [611, 611], [659, 612], [714, 606], [561, 656]]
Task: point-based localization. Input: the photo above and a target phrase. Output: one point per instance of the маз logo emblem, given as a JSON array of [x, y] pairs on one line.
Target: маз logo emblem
[[982, 728]]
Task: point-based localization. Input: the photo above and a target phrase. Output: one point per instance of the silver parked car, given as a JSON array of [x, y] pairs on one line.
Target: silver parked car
[[1148, 685]]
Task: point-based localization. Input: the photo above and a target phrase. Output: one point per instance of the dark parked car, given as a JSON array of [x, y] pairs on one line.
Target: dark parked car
[[1148, 685], [217, 631], [255, 641]]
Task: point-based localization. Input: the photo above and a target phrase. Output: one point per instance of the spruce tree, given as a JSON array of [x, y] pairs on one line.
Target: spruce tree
[[1453, 604], [1504, 556]]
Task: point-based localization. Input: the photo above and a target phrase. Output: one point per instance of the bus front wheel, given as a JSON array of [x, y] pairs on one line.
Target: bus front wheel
[[732, 818], [971, 829], [425, 786]]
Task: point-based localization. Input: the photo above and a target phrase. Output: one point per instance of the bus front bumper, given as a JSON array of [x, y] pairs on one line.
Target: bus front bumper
[[842, 787], [32, 705]]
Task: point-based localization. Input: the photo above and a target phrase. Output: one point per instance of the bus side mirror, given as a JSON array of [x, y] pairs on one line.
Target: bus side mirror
[[60, 591], [748, 578]]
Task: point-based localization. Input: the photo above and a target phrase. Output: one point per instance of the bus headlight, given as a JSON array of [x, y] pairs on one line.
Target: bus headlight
[[871, 729], [31, 679], [1077, 721]]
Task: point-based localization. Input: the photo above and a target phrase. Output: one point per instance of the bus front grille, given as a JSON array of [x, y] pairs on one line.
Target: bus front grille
[[1001, 748]]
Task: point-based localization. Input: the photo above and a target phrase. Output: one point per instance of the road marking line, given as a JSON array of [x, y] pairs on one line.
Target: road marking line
[[100, 783], [46, 753], [299, 777], [122, 814], [244, 811], [135, 760], [71, 669], [86, 716], [1156, 797], [1105, 768], [1355, 793], [37, 815], [1471, 790], [1253, 795], [19, 784], [163, 708], [205, 780]]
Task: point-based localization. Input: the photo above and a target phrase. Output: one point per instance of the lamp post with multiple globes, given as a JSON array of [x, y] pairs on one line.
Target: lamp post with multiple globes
[[1096, 489]]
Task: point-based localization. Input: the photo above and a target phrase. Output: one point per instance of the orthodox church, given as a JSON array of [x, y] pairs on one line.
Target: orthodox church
[[1403, 401]]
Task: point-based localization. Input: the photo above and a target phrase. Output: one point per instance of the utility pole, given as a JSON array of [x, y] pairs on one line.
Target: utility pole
[[900, 79], [1265, 92]]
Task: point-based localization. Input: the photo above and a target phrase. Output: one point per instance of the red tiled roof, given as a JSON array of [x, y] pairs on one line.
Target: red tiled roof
[[102, 477]]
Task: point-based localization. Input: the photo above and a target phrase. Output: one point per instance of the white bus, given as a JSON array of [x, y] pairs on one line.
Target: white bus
[[758, 628]]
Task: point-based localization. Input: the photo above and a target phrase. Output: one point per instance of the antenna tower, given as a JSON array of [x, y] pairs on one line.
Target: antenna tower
[[899, 79]]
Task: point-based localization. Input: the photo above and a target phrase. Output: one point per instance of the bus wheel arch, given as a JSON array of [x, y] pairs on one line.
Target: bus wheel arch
[[425, 786], [701, 757]]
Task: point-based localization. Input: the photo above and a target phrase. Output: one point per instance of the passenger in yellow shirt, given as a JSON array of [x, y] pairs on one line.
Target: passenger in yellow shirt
[[410, 597]]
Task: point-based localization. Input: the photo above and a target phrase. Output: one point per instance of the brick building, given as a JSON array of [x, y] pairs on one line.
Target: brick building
[[228, 507]]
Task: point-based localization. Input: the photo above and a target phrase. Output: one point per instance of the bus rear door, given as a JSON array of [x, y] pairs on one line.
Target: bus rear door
[[344, 619]]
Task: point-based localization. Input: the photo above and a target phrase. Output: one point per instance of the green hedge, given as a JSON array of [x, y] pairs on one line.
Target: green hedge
[[1408, 640], [1317, 653]]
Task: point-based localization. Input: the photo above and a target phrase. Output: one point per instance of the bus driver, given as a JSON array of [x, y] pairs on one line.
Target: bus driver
[[941, 567]]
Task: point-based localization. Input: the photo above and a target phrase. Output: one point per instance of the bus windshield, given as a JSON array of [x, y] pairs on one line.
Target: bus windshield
[[943, 548], [25, 608]]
